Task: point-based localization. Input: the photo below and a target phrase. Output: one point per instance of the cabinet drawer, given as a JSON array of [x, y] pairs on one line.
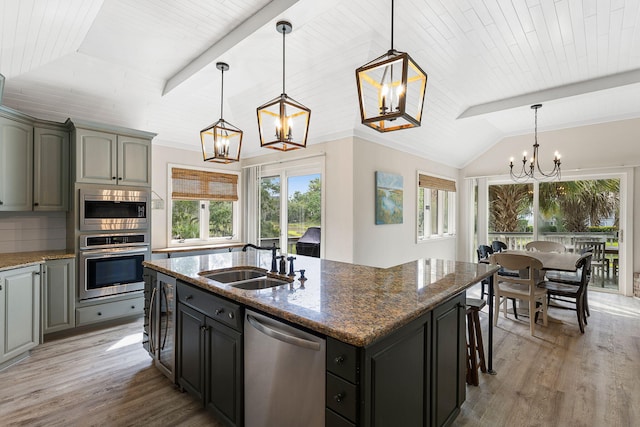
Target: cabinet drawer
[[342, 360], [211, 305], [110, 310], [341, 397], [334, 420]]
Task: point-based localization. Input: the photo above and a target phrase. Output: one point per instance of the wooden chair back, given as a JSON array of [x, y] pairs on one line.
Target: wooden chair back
[[545, 246]]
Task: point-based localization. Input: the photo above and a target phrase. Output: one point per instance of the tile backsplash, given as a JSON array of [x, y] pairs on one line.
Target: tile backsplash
[[32, 231]]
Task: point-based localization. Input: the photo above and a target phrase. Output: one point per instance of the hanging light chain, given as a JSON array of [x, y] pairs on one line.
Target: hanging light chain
[[222, 94], [284, 33], [392, 24]]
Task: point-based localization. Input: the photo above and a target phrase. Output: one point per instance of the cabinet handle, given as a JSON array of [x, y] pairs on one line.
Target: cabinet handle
[[339, 360], [339, 397], [37, 273], [219, 311], [204, 328]]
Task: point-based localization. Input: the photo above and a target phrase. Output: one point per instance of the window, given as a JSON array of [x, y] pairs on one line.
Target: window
[[203, 206], [436, 207], [291, 201]]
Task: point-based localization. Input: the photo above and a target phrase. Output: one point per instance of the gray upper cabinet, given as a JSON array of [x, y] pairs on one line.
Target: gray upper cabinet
[[50, 170], [109, 158], [16, 165]]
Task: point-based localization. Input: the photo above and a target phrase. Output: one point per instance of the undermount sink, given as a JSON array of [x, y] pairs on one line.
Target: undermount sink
[[260, 283], [230, 276]]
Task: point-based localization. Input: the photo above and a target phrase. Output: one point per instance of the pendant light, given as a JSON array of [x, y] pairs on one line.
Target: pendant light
[[221, 141], [391, 90], [283, 122], [534, 164]]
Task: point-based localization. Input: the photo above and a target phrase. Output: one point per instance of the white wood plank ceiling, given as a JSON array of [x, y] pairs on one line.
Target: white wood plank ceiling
[[150, 64]]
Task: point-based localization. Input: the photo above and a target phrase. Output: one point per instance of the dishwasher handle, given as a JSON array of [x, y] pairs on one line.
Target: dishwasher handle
[[281, 336]]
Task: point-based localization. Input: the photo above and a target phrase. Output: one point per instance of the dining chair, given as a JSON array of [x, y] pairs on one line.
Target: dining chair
[[573, 278], [599, 260], [498, 246], [576, 291], [523, 287], [545, 246]]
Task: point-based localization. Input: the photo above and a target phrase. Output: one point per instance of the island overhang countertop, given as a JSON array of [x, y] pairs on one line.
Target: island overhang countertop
[[353, 303]]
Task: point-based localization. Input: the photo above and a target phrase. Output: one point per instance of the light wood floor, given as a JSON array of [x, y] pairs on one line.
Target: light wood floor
[[557, 378]]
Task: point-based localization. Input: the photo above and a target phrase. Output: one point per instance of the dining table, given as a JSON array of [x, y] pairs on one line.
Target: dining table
[[550, 261]]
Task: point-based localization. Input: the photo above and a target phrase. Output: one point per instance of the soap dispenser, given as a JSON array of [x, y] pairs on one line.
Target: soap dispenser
[[283, 265]]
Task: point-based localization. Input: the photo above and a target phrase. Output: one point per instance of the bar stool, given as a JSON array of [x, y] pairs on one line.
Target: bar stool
[[475, 347]]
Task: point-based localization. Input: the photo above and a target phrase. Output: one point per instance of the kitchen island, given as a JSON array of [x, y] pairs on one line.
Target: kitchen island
[[395, 351]]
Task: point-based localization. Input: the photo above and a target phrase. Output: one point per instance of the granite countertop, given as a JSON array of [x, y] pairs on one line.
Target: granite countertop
[[23, 259], [353, 303]]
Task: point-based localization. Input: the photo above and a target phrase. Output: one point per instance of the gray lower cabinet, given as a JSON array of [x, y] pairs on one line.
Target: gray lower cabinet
[[19, 312], [209, 351], [414, 376], [58, 295]]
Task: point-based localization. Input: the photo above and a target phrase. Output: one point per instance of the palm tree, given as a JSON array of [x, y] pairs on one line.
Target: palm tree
[[507, 204]]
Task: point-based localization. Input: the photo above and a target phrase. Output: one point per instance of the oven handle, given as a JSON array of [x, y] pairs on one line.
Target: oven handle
[[113, 252]]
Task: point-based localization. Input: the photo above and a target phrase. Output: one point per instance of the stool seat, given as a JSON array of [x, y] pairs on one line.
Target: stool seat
[[475, 346]]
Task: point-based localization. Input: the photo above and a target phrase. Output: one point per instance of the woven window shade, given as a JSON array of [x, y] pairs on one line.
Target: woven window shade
[[190, 184], [427, 181]]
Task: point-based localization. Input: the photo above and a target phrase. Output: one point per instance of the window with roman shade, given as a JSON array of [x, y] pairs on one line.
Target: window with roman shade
[[436, 207], [203, 206]]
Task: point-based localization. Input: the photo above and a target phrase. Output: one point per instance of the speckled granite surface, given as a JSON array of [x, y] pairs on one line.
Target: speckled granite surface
[[353, 303], [23, 259], [177, 249]]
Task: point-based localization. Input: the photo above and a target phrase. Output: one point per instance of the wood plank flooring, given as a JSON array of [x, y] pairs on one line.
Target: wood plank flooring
[[557, 378]]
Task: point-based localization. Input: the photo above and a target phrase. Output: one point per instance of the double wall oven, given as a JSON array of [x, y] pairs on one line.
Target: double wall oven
[[114, 241]]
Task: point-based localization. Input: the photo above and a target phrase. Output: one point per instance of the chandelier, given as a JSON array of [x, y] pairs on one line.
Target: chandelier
[[221, 141], [391, 90], [529, 171], [283, 123]]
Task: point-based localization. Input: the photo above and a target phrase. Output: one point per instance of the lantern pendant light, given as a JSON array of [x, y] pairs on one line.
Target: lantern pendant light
[[391, 90], [283, 122], [221, 141]]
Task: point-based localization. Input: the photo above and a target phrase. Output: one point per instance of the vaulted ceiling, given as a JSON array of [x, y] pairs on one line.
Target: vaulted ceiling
[[150, 65]]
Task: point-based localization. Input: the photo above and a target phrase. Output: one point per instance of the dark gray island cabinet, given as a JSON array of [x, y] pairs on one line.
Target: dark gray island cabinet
[[412, 377], [406, 369]]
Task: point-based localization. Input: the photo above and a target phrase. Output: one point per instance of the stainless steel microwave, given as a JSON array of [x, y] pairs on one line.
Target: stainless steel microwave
[[114, 209]]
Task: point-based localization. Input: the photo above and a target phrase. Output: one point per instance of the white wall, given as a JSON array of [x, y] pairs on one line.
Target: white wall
[[392, 244], [161, 157], [32, 231]]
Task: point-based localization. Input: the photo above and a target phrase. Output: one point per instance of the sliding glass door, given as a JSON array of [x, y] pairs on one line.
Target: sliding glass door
[[283, 220]]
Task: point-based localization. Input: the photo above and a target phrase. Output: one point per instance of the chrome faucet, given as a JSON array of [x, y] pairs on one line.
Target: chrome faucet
[[273, 249]]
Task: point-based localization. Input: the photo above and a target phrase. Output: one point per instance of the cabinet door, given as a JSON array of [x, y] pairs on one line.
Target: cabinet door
[[96, 157], [134, 161], [16, 165], [449, 360], [396, 374], [20, 308], [58, 295], [191, 325], [50, 170], [224, 371]]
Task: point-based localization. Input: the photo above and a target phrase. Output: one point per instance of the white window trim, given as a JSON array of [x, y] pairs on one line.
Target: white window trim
[[451, 212], [204, 225]]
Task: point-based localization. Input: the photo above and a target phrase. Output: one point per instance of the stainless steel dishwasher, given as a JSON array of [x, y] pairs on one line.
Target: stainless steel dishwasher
[[284, 374]]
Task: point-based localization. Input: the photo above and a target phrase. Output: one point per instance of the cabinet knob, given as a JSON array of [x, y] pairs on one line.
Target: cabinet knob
[[36, 204], [1, 202], [133, 307], [99, 313], [0, 287], [339, 360], [219, 311], [119, 178], [204, 328], [339, 397], [231, 315], [188, 297]]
